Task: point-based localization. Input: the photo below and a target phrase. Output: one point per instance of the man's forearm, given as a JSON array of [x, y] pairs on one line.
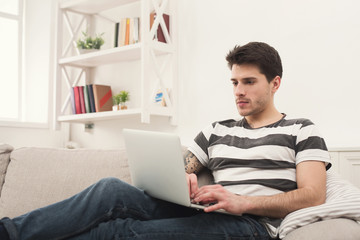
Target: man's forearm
[[192, 164], [311, 182], [280, 205]]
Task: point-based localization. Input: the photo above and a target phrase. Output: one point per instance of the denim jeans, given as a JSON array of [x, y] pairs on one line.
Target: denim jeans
[[112, 209]]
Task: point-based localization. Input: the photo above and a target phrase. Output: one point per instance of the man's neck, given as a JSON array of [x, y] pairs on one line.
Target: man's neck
[[258, 122]]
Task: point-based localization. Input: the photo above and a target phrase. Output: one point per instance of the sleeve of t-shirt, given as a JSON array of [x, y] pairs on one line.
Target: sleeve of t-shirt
[[199, 146], [310, 146]]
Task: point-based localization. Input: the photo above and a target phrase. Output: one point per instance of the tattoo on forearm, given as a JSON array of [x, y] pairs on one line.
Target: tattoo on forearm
[[192, 164]]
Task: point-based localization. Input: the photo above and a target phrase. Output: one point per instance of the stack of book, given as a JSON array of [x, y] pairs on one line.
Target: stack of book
[[127, 32], [91, 98]]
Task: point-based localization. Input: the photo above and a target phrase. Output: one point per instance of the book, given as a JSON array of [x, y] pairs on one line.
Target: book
[[116, 37], [159, 34], [86, 100], [152, 19], [122, 32], [82, 100], [102, 97], [77, 100], [127, 31], [91, 98], [131, 31], [136, 30], [72, 99], [160, 98]]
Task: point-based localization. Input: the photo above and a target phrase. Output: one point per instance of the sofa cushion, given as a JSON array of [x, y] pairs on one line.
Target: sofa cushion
[[333, 229], [342, 201], [5, 151], [37, 177]]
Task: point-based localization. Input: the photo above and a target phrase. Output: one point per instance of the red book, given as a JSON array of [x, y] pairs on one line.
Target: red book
[[77, 100], [160, 33], [82, 100]]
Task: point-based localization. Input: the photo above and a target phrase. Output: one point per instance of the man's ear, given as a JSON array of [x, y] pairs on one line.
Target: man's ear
[[276, 83]]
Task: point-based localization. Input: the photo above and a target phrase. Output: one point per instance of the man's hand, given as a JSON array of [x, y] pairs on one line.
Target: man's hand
[[192, 166], [220, 198], [193, 184]]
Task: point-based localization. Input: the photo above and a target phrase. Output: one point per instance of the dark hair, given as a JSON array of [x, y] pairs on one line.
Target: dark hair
[[265, 57]]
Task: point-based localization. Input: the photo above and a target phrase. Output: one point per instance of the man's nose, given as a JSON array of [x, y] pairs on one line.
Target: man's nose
[[239, 90]]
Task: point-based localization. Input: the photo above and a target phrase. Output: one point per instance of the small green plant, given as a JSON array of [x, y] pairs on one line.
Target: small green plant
[[116, 99], [87, 42], [124, 97]]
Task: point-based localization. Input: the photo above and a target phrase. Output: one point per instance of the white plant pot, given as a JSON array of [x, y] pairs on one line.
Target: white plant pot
[[84, 51]]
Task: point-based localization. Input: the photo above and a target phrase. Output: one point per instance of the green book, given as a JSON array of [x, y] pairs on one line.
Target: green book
[[86, 99]]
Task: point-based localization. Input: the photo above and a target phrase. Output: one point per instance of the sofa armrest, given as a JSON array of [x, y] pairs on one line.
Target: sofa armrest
[[5, 151]]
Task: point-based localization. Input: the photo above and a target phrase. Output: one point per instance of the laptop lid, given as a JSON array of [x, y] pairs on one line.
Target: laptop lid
[[156, 165]]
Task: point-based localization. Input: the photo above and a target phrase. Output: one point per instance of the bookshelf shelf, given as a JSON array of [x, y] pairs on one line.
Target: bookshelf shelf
[[100, 116], [113, 55], [102, 57], [92, 6], [73, 16]]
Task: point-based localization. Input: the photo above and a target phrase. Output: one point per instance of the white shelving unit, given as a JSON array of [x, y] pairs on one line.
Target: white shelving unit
[[146, 52]]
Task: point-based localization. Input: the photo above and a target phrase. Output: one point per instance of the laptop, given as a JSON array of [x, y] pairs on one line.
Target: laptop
[[157, 166]]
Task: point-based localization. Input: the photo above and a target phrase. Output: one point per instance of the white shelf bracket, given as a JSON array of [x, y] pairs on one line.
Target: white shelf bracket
[[160, 18], [72, 31], [159, 71]]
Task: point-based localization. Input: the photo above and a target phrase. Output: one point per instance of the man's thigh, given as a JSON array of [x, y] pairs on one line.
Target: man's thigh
[[199, 226]]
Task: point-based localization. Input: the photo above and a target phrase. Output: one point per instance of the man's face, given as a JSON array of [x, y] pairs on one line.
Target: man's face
[[253, 94]]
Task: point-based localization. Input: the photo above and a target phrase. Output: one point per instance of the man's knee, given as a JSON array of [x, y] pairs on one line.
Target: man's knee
[[110, 182], [112, 185]]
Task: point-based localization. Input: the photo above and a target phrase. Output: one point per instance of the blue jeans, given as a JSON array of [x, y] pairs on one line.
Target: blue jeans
[[112, 209]]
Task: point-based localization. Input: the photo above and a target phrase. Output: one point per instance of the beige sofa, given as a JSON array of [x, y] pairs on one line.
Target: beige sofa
[[34, 177]]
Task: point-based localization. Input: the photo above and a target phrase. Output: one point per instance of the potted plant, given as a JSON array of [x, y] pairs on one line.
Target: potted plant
[[88, 43], [116, 102], [124, 97]]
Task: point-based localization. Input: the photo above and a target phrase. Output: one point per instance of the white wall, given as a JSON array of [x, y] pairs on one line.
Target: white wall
[[31, 137], [319, 45]]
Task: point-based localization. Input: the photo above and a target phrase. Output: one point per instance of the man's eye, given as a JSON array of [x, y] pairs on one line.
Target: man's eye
[[234, 83], [250, 82]]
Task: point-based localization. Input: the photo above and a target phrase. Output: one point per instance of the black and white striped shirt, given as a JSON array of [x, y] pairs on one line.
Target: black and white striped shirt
[[259, 161]]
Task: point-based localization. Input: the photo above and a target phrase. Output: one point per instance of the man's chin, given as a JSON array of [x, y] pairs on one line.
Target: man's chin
[[243, 113]]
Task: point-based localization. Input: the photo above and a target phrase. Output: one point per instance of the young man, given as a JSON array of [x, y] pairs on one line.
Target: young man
[[265, 166]]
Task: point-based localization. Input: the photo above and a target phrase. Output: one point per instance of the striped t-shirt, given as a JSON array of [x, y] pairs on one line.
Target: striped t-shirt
[[259, 161]]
